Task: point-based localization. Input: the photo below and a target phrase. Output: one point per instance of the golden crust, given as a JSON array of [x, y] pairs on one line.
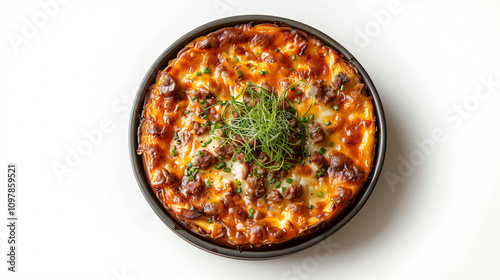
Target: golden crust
[[212, 68]]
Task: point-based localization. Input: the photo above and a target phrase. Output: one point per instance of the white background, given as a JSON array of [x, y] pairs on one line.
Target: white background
[[435, 213]]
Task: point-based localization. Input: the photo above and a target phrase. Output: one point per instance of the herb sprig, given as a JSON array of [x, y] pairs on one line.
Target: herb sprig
[[257, 119]]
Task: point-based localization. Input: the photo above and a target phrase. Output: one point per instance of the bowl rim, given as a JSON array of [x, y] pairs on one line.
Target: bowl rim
[[137, 164]]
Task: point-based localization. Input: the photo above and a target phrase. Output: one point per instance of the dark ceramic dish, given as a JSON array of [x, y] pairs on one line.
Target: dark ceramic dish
[[248, 252]]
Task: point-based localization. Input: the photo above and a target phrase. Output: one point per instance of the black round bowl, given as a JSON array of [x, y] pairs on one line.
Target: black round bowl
[[262, 252]]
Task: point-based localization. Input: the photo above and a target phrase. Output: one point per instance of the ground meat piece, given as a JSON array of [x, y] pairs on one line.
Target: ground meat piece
[[294, 191], [340, 79], [239, 50], [294, 142], [324, 93], [278, 233], [216, 208], [293, 122], [278, 174], [344, 194], [240, 157], [208, 42], [316, 133], [241, 236], [261, 40], [261, 170], [169, 86], [156, 155], [199, 129], [234, 209], [201, 93], [274, 196], [298, 208], [230, 36], [189, 214], [205, 160], [165, 178], [211, 111], [238, 114], [245, 171], [268, 57], [337, 124], [251, 142], [251, 100], [327, 94], [263, 158], [238, 140], [194, 187], [256, 187], [266, 87], [344, 167], [259, 231], [211, 101], [224, 150], [319, 160], [283, 104], [317, 87], [156, 130]]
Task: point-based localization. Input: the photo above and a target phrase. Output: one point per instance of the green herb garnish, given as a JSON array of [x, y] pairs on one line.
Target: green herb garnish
[[220, 165], [278, 184], [251, 211], [260, 125]]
